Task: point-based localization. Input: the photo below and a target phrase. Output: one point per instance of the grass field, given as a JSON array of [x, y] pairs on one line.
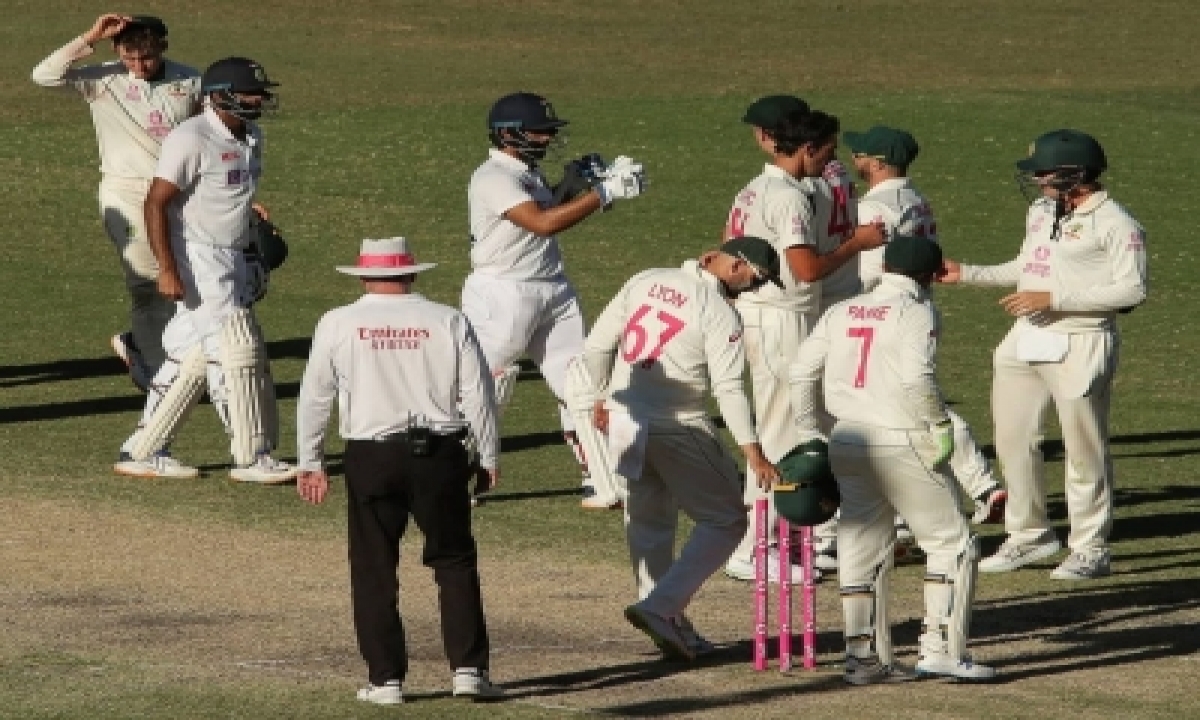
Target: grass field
[[124, 599]]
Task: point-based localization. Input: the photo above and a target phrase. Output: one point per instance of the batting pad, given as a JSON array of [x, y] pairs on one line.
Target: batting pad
[[580, 398], [243, 357], [174, 407], [963, 598], [865, 607]]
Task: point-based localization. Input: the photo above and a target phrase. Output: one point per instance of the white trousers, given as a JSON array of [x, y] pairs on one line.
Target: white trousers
[[879, 481], [121, 210], [772, 339], [539, 319], [1080, 388], [686, 468]]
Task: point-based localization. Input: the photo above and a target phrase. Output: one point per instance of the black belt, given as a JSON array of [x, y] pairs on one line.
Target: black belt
[[402, 436]]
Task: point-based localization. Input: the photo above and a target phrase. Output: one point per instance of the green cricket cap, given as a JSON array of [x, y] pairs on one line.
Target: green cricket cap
[[1064, 149], [894, 147], [911, 255], [757, 252], [769, 112], [808, 493]]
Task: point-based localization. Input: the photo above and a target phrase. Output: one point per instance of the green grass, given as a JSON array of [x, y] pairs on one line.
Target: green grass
[[383, 122]]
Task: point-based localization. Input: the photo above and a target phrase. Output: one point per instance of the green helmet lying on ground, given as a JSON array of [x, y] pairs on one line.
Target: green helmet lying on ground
[[808, 493]]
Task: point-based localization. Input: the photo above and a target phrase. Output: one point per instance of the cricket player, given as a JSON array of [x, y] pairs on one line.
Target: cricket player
[[871, 359], [1083, 261], [517, 296], [135, 102], [881, 157], [786, 206], [198, 218], [667, 335]]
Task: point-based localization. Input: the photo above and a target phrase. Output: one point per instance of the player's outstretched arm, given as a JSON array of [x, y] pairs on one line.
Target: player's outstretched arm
[[809, 266], [553, 220], [56, 72]]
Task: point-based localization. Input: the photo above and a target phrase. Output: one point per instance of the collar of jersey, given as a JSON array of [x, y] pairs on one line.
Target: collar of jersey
[[889, 184], [381, 298], [1094, 201], [705, 276], [507, 160], [225, 132], [778, 172], [902, 283]]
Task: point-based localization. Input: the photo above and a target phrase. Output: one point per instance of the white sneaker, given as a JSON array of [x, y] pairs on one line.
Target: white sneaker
[[903, 532], [123, 345], [739, 569], [1010, 556], [662, 631], [157, 466], [386, 694], [266, 470], [990, 510], [475, 684], [870, 671], [698, 644], [943, 665], [1084, 565]]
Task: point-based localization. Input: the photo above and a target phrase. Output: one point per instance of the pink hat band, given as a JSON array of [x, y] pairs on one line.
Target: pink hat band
[[393, 260]]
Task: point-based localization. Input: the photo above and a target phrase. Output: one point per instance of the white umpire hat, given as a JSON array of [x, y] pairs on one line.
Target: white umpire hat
[[389, 257]]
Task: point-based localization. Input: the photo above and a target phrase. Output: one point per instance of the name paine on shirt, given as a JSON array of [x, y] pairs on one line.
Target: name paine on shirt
[[394, 338], [877, 313]]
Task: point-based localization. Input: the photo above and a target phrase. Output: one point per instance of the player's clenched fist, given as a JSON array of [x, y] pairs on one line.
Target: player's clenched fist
[[624, 179]]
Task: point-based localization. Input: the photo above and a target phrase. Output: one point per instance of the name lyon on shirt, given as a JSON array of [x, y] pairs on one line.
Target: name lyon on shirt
[[669, 295], [394, 338]]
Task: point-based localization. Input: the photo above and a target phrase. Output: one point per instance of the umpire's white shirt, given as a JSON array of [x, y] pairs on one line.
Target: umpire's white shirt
[[665, 338], [874, 355], [217, 175], [779, 209], [1095, 267], [386, 357], [500, 247], [131, 116]]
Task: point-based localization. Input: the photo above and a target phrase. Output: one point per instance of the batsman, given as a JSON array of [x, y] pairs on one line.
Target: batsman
[[200, 218]]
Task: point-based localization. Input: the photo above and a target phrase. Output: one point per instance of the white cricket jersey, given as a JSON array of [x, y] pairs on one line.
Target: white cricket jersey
[[903, 210], [779, 209], [498, 246], [874, 357], [131, 116], [667, 336], [217, 175], [386, 358], [1095, 267], [835, 221]]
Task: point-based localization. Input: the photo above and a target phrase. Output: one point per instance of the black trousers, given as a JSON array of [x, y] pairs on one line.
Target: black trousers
[[384, 485]]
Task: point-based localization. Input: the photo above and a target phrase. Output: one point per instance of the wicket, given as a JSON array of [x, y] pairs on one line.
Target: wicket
[[761, 583]]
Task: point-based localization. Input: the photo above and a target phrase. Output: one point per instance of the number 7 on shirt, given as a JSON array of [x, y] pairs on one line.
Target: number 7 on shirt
[[636, 335], [867, 335]]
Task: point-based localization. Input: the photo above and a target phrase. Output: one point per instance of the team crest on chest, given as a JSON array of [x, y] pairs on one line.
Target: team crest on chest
[[1073, 231], [133, 93]]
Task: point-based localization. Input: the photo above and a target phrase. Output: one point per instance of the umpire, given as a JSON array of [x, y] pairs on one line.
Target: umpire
[[398, 364]]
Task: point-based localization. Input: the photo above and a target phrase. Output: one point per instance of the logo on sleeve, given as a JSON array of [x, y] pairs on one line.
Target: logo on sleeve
[[1137, 241], [735, 337]]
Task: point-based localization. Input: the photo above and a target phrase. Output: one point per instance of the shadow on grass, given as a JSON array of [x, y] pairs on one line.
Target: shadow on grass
[[1053, 449], [1109, 625], [60, 370]]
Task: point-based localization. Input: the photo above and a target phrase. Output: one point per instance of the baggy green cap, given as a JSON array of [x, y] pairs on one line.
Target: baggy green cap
[[894, 147], [912, 255], [769, 112], [757, 252], [809, 493]]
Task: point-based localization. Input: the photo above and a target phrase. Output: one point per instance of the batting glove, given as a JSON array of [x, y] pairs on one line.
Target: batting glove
[[943, 440], [624, 179]]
